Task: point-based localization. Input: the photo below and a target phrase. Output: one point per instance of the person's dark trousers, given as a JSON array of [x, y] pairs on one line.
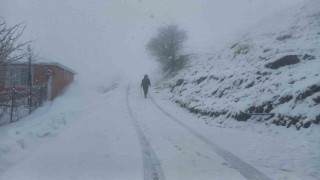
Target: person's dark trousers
[[145, 90]]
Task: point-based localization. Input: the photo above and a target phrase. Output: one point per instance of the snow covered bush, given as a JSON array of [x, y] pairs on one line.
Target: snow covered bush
[[241, 49]]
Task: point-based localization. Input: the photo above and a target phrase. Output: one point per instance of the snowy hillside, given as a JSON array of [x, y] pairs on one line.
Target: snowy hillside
[[273, 68]]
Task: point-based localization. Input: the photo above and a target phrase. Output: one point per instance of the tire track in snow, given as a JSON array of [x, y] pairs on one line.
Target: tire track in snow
[[151, 164], [248, 171]]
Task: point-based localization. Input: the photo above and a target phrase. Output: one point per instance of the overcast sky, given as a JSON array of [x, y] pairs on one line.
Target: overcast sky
[[100, 37]]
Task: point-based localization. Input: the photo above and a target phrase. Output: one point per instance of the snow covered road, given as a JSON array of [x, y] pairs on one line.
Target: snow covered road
[[121, 135], [200, 159], [151, 164], [244, 168]]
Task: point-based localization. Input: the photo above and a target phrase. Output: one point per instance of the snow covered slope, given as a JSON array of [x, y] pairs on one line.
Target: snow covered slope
[[273, 68]]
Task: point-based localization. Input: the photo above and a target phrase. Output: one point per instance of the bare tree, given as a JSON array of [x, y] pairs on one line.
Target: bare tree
[[11, 48], [166, 47]]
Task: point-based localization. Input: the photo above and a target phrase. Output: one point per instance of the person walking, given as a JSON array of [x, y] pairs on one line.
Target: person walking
[[145, 84]]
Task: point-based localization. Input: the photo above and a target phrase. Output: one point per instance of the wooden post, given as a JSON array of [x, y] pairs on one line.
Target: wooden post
[[12, 100]]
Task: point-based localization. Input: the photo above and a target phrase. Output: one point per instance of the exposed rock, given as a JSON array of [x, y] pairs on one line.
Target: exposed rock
[[238, 82], [284, 61], [317, 120], [316, 100], [291, 81], [194, 110], [307, 124], [292, 121], [284, 37], [308, 57], [234, 45], [266, 107], [222, 92], [214, 92], [179, 82], [284, 99], [214, 77], [241, 116], [263, 73], [222, 79], [249, 85], [201, 79], [267, 50], [280, 121], [310, 91]]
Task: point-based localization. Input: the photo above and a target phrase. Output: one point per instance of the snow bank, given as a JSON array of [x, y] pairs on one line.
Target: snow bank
[[20, 139]]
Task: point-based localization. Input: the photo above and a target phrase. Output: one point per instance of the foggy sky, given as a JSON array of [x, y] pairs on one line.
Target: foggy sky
[[100, 38]]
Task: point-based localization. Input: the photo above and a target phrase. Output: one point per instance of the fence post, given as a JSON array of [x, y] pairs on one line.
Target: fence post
[[12, 101], [41, 94]]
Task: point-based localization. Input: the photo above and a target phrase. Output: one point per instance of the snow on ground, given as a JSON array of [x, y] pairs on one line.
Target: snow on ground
[[84, 135], [280, 153], [253, 73], [89, 132], [91, 142]]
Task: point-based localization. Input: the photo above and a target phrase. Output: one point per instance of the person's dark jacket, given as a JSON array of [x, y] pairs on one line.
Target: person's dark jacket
[[145, 82]]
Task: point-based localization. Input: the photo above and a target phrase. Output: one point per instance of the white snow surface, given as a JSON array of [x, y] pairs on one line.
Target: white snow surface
[[233, 77], [88, 133], [84, 135]]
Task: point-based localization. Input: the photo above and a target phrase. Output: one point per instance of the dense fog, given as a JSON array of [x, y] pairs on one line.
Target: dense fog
[[101, 39]]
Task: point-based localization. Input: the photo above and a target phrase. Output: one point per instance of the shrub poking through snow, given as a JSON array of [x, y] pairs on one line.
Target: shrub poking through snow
[[242, 49], [284, 37]]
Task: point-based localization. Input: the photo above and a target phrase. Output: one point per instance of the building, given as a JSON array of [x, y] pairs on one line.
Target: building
[[54, 76]]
